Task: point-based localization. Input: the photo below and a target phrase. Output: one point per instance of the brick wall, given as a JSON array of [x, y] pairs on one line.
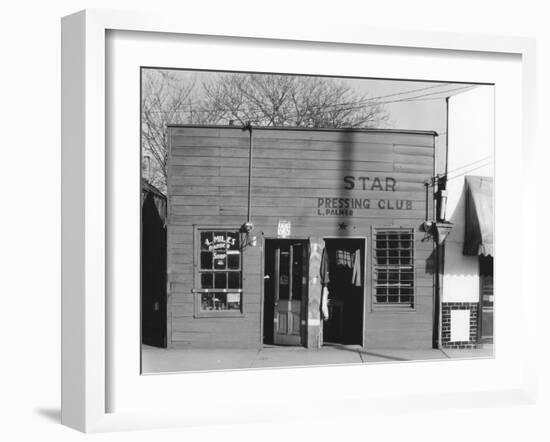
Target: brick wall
[[446, 324]]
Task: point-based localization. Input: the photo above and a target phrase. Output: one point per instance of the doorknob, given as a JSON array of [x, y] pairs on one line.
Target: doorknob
[[267, 277]]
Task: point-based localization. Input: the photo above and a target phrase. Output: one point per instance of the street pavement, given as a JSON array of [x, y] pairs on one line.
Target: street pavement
[[161, 360]]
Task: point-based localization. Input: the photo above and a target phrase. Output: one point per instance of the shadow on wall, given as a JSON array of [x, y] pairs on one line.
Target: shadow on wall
[[347, 138], [455, 263]]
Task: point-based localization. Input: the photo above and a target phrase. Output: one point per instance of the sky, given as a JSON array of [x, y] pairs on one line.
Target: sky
[[411, 105]]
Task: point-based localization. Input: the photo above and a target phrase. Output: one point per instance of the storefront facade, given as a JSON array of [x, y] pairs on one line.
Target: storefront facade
[[263, 222], [466, 289]]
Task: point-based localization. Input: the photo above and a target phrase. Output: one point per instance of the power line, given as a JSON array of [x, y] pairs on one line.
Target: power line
[[356, 104], [469, 164], [415, 98], [467, 172], [389, 95]]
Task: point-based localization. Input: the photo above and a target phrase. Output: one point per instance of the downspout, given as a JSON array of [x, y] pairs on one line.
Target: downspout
[[248, 127], [248, 226]]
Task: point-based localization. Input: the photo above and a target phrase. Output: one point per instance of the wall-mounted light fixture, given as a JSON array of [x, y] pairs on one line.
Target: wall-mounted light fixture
[[247, 240], [439, 227]]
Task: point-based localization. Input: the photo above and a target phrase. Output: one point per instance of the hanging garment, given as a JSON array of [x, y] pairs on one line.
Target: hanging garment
[[325, 279], [356, 277], [324, 303], [324, 268]]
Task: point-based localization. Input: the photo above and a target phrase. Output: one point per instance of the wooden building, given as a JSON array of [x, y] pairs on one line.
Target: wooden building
[[263, 222]]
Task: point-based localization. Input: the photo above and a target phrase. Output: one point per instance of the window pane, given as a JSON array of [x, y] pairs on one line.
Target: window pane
[[220, 240], [206, 280], [220, 259], [394, 277], [215, 259], [382, 277], [234, 301], [394, 272], [234, 280], [297, 270], [220, 280], [206, 260], [381, 257], [407, 277], [218, 301], [206, 240], [207, 301], [381, 294], [234, 261], [284, 279], [233, 241]]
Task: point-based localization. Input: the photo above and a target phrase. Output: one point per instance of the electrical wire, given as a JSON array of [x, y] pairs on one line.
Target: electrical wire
[[356, 105], [469, 164], [467, 172]]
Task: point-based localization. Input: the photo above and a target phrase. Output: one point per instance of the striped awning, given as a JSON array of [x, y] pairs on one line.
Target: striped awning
[[478, 234]]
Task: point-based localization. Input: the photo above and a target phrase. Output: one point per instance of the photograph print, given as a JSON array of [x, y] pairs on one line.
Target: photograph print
[[293, 220]]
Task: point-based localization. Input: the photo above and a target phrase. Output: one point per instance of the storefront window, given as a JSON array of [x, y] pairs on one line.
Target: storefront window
[[393, 269], [219, 272]]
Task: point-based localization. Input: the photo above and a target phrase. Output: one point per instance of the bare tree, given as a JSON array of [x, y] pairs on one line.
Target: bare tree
[[283, 100], [165, 100], [264, 100]]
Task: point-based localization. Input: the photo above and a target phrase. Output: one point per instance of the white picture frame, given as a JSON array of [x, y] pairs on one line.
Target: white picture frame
[[87, 315]]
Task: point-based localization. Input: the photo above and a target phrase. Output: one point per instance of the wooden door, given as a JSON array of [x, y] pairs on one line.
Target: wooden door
[[289, 281]]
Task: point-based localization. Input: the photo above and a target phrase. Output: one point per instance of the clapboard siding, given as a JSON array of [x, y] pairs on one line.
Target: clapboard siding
[[399, 171], [318, 160], [414, 184], [402, 219], [293, 170], [182, 136]]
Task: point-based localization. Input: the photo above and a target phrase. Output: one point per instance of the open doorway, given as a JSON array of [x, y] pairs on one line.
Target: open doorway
[[346, 258]]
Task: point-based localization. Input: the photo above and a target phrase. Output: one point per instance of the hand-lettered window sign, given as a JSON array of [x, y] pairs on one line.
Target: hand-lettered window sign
[[346, 206], [219, 268], [220, 245]]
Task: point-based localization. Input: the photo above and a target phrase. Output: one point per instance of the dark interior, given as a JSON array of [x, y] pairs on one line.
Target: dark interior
[[153, 275], [268, 291], [345, 299]]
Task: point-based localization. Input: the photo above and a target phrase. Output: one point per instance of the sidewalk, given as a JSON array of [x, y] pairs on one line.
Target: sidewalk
[[160, 360]]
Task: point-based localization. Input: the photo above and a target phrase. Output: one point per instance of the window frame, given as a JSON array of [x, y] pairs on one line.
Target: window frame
[[387, 306], [197, 289]]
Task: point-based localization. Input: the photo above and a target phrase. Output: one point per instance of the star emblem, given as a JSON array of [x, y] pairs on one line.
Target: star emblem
[[342, 226]]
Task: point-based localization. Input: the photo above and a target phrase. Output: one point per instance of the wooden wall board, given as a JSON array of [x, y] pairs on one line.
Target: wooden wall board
[[295, 174]]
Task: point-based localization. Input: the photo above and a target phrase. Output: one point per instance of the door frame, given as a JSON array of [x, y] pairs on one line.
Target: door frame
[[265, 239], [480, 338], [365, 239]]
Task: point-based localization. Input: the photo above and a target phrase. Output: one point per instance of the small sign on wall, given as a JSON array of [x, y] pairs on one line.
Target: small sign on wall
[[460, 325], [283, 229]]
